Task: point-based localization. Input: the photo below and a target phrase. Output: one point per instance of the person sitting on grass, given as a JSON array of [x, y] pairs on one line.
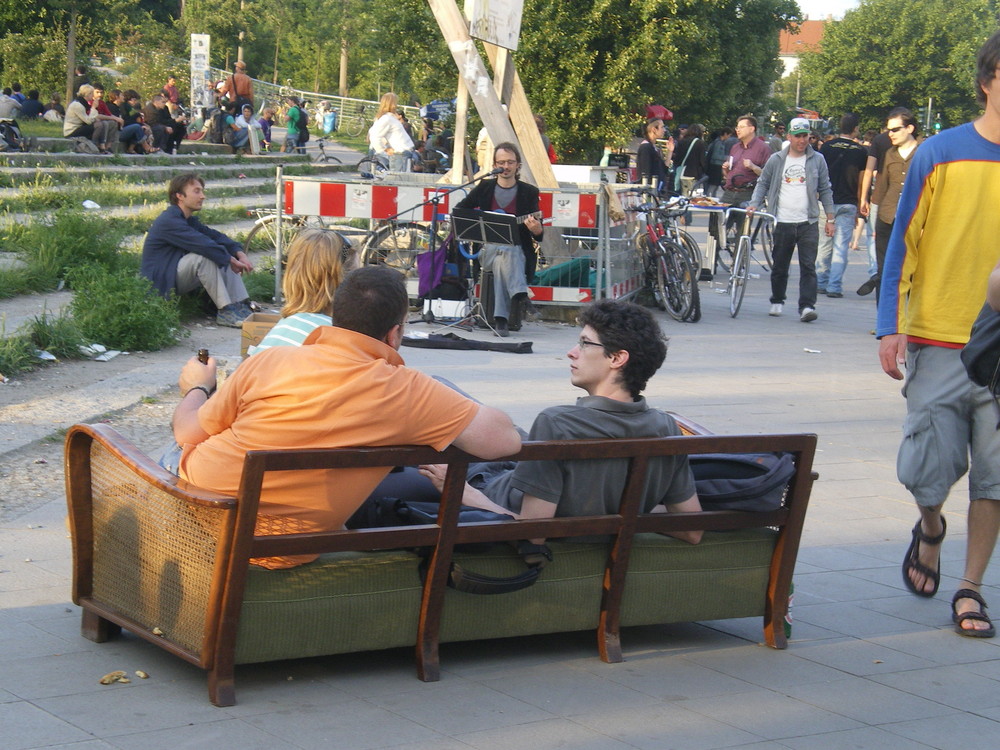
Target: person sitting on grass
[[620, 348], [181, 254], [318, 259], [80, 116]]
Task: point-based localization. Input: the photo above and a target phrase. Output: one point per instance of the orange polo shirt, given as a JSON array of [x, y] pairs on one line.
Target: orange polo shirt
[[339, 389]]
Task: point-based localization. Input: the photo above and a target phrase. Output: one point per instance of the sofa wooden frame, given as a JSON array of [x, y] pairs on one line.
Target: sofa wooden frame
[[93, 451]]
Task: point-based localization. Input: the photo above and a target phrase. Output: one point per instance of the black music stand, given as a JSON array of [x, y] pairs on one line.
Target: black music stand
[[474, 225]]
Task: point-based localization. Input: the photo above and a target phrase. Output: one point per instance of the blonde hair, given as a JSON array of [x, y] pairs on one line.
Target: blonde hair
[[317, 262], [85, 91], [387, 103]]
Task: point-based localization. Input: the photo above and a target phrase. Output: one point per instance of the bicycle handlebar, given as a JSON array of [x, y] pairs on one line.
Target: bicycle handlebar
[[762, 214]]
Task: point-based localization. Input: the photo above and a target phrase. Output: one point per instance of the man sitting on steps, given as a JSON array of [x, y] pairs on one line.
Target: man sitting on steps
[[181, 254]]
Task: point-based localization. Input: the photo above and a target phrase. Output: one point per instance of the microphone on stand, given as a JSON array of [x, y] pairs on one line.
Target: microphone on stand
[[498, 170]]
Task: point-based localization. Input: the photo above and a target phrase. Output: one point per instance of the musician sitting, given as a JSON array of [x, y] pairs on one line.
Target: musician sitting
[[512, 265]]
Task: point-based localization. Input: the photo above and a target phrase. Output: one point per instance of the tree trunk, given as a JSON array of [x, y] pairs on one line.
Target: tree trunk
[[274, 79], [70, 56], [319, 64], [342, 88]]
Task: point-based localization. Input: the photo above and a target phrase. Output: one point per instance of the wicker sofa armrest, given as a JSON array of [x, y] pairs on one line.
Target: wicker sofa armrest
[[149, 550]]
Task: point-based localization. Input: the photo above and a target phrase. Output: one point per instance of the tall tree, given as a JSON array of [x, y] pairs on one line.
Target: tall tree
[[890, 53]]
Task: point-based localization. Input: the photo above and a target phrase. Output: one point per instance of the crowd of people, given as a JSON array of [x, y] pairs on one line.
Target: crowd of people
[[341, 330]]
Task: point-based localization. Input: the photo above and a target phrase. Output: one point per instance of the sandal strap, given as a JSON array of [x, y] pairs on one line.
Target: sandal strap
[[918, 532], [959, 619], [967, 594]]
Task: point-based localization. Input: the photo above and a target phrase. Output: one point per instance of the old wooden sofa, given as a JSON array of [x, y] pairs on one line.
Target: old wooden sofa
[[169, 561]]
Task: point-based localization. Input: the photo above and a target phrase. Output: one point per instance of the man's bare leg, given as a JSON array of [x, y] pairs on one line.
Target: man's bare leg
[[984, 523]]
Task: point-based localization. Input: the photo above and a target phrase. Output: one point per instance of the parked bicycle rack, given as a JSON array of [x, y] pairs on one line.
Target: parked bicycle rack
[[588, 255]]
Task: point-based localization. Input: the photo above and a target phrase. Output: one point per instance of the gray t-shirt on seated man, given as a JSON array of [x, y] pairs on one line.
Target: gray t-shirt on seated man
[[583, 488]]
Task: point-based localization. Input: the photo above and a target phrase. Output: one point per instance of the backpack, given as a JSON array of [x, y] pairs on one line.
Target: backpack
[[742, 481], [303, 126], [10, 137], [217, 127]]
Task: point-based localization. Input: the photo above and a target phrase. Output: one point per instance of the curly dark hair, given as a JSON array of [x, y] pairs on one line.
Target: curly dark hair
[[623, 326]]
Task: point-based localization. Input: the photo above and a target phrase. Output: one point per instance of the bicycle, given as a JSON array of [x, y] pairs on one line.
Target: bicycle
[[739, 275], [323, 157], [762, 238], [263, 236], [372, 168], [354, 124], [667, 268]]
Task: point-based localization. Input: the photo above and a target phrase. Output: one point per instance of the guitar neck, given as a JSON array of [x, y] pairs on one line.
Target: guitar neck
[[532, 215]]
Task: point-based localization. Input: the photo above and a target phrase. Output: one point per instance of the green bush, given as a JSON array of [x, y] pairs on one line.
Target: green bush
[[37, 59], [120, 309]]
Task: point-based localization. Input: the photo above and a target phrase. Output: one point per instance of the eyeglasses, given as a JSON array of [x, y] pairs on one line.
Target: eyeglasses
[[508, 163], [584, 343], [897, 129]]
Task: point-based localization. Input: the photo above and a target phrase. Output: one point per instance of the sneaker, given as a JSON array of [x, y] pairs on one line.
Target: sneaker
[[808, 315], [775, 310], [232, 315], [821, 290], [869, 286], [834, 295], [501, 327]]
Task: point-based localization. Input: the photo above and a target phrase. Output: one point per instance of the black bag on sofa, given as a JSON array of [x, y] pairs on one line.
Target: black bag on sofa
[[742, 481]]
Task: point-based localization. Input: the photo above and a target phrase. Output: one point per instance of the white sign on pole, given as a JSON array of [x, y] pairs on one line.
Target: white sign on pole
[[202, 94], [495, 21]]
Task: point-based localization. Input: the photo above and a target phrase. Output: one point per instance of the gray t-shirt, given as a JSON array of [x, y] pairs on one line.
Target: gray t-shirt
[[506, 196], [582, 488]]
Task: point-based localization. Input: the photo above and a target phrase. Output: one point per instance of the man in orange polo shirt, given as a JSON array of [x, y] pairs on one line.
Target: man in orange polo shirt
[[345, 386]]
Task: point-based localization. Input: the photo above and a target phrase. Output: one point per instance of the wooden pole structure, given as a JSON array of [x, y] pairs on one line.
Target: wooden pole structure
[[472, 70]]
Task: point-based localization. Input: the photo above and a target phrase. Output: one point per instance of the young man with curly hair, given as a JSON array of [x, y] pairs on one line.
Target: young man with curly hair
[[620, 348]]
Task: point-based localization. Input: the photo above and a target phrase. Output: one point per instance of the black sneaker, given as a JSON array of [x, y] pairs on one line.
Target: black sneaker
[[869, 286]]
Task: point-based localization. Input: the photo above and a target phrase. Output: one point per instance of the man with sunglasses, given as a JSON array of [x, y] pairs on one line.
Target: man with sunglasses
[[942, 250], [620, 347]]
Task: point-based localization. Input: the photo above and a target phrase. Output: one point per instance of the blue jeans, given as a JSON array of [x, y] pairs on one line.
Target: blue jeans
[[786, 238], [831, 262]]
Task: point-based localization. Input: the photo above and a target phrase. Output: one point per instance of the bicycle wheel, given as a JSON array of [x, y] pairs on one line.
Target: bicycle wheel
[[739, 277], [764, 239], [263, 237], [372, 168], [690, 245], [649, 271], [675, 279], [397, 246], [354, 126]]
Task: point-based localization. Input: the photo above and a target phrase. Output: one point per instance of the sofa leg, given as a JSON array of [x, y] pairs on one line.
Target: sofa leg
[[610, 647], [222, 687], [95, 628]]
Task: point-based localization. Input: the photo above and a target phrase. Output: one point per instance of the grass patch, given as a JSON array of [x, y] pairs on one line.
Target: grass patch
[[58, 335], [120, 309], [107, 191]]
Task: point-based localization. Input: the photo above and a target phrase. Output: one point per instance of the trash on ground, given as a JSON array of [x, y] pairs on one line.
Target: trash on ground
[[91, 205], [807, 350]]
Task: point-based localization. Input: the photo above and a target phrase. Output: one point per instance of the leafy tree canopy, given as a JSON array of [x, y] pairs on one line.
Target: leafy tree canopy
[[890, 53]]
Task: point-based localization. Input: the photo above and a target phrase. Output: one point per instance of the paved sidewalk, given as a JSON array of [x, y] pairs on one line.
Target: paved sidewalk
[[869, 665]]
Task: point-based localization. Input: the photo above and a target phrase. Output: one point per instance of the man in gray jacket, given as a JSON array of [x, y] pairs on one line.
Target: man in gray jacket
[[794, 183]]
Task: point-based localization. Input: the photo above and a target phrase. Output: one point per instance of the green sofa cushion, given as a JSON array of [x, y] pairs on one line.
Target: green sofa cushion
[[346, 601]]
